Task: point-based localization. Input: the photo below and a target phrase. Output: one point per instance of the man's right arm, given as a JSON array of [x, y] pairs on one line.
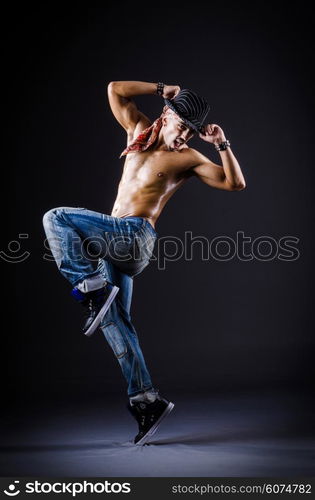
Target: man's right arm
[[124, 108]]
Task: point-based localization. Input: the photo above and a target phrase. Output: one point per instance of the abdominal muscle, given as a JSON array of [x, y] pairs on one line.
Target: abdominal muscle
[[140, 204]]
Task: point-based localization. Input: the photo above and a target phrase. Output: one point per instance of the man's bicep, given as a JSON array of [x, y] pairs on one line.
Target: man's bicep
[[208, 173], [125, 111], [211, 174]]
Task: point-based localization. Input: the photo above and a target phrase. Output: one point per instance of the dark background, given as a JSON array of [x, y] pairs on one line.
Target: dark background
[[208, 326]]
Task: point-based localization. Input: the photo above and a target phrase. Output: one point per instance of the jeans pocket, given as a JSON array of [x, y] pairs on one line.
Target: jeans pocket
[[115, 339]]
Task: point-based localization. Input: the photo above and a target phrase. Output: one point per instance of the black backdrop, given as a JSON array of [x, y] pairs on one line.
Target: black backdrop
[[211, 325]]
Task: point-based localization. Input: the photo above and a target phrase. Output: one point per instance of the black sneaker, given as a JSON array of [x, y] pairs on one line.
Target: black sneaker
[[96, 305], [149, 416]]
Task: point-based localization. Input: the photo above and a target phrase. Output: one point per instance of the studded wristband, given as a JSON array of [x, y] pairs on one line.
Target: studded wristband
[[160, 88], [222, 146]]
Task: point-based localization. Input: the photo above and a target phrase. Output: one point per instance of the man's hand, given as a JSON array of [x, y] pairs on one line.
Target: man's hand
[[213, 134], [170, 91]]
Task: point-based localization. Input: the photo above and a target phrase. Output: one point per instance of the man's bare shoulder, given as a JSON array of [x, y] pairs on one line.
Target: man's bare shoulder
[[183, 162], [198, 159], [188, 159], [192, 156], [196, 155]]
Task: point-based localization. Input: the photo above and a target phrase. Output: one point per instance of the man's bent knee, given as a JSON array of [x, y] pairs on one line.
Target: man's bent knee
[[53, 213], [48, 216]]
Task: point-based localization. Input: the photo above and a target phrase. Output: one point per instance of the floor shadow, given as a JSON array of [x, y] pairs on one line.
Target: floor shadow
[[229, 436], [101, 445]]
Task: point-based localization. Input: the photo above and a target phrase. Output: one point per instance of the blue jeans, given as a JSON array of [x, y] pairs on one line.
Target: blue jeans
[[88, 245]]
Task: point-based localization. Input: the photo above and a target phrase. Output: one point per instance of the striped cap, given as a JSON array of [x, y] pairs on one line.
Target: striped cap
[[190, 107]]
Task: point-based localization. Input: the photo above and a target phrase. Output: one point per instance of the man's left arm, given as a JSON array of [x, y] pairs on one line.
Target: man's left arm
[[229, 176]]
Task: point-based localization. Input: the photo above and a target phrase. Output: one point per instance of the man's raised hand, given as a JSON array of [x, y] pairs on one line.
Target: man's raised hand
[[170, 91], [212, 133]]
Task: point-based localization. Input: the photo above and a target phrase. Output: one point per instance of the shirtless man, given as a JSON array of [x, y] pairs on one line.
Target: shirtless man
[[149, 179], [100, 254]]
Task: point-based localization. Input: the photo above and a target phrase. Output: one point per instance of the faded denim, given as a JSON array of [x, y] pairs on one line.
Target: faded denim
[[88, 244]]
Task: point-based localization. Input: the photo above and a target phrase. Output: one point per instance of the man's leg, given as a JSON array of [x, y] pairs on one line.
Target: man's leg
[[121, 335], [67, 229], [78, 238], [145, 404]]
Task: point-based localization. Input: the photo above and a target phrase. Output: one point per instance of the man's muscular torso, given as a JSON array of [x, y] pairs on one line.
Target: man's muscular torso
[[149, 180]]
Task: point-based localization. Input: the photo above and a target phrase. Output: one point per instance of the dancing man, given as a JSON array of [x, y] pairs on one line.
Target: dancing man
[[100, 254]]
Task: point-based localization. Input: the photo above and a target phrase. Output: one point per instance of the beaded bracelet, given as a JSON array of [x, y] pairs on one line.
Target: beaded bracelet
[[222, 146], [160, 88]]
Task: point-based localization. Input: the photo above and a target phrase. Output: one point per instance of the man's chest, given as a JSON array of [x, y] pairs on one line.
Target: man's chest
[[157, 167]]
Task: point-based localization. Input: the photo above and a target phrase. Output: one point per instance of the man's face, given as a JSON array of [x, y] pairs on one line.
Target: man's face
[[176, 133]]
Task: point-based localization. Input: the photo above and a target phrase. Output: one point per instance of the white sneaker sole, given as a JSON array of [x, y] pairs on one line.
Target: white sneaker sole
[[102, 312], [154, 427]]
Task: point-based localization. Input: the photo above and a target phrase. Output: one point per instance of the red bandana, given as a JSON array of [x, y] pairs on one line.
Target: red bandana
[[145, 139]]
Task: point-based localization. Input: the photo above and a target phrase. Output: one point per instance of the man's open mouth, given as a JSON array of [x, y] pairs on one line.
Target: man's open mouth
[[177, 144]]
